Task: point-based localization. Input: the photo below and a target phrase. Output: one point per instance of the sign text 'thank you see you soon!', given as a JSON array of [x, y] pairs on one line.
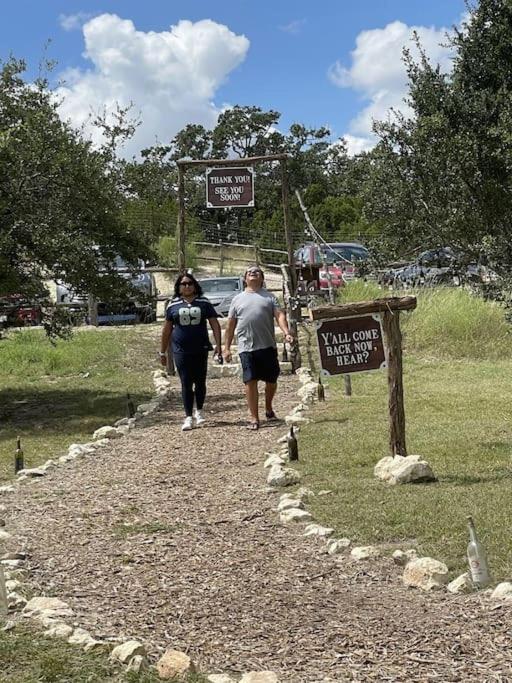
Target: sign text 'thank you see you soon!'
[[229, 187]]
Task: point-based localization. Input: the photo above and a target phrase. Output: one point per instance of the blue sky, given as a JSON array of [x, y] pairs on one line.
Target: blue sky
[[334, 63]]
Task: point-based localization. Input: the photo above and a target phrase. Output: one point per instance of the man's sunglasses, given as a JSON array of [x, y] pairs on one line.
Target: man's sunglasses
[[186, 283], [254, 272]]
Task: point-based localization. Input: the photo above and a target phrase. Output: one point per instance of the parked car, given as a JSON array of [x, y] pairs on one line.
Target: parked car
[[339, 260], [441, 266], [109, 313], [17, 311], [221, 290]]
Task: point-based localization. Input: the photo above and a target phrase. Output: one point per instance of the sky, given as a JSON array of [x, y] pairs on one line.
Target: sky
[[334, 63]]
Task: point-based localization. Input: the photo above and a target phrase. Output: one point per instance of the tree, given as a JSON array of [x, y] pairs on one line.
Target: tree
[[60, 200], [442, 176]]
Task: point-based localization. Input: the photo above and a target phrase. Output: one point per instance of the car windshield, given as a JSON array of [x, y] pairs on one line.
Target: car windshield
[[220, 285], [333, 252]]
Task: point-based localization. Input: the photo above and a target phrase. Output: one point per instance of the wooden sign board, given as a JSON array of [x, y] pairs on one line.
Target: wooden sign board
[[229, 187], [352, 344]]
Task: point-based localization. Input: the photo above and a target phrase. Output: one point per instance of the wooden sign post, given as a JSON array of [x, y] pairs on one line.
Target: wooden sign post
[[350, 340]]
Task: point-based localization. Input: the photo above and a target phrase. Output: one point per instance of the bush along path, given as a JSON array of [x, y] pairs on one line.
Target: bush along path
[[184, 551]]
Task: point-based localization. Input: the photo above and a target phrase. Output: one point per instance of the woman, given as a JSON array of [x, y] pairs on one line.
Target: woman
[[185, 326]]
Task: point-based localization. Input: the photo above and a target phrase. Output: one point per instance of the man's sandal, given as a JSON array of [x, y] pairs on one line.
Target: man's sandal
[[271, 415], [253, 426]]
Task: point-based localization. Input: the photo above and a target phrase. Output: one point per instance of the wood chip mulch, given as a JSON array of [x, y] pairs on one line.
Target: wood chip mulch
[[173, 538]]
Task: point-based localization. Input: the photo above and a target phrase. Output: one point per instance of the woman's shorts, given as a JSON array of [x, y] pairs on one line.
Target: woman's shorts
[[260, 365]]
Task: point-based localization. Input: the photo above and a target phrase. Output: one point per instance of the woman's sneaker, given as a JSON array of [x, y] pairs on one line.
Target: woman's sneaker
[[199, 419], [187, 424]]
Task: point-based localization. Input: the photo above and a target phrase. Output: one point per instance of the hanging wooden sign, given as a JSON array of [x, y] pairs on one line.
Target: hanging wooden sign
[[229, 187], [353, 344], [369, 332]]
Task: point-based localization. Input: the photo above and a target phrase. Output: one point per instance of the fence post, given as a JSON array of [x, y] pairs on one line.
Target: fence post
[[92, 305], [221, 254]]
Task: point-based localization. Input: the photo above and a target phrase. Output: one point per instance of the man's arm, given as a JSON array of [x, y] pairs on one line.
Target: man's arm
[[282, 321], [214, 324], [164, 343], [228, 338]]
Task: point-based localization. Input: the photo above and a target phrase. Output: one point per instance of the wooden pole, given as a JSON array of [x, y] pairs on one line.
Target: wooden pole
[[180, 227], [286, 221], [347, 382], [391, 326], [92, 305], [221, 254]]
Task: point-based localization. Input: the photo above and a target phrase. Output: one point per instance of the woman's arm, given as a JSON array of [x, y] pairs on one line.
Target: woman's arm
[[214, 324], [164, 343]]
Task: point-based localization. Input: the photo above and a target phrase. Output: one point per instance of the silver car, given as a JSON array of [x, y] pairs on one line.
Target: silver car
[[221, 290]]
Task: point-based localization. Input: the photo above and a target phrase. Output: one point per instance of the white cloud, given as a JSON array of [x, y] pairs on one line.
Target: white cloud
[[170, 77], [378, 73], [71, 22], [294, 27]]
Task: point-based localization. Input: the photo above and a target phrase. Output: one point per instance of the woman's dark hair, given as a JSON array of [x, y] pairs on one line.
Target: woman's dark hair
[[197, 287]]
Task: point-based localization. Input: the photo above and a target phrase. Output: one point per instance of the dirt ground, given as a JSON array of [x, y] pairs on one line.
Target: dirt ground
[[173, 538]]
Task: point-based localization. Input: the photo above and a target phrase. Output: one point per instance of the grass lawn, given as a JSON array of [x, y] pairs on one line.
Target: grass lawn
[[28, 657], [53, 396], [458, 419]]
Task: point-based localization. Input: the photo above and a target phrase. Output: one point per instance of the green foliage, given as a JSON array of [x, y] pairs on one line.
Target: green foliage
[[452, 323], [443, 176], [447, 322], [168, 254], [60, 200]]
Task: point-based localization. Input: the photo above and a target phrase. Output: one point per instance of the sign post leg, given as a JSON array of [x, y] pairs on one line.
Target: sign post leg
[[391, 325]]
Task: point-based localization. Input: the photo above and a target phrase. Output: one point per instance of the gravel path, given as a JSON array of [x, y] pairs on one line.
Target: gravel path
[[173, 538]]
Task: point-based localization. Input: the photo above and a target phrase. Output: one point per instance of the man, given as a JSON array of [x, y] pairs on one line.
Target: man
[[252, 314]]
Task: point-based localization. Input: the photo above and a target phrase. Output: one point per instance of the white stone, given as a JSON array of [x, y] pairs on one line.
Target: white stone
[[15, 600], [425, 573], [294, 515], [11, 564], [365, 552], [47, 607], [318, 530], [83, 639], [403, 470], [282, 476], [107, 432], [137, 664], [304, 493], [7, 489], [59, 630], [159, 373], [48, 465], [260, 677], [273, 459], [296, 420], [503, 591], [220, 678], [289, 503], [462, 584], [12, 585], [174, 664], [33, 472], [123, 653], [401, 558], [4, 535], [337, 545], [121, 421]]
